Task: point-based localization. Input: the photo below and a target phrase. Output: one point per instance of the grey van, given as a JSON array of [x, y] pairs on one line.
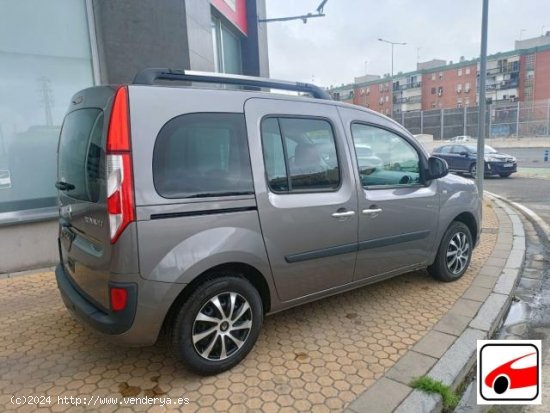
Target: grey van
[[197, 211]]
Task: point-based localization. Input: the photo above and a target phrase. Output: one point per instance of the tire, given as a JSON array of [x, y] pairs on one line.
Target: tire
[[189, 334], [505, 175], [473, 170], [457, 237], [501, 384]]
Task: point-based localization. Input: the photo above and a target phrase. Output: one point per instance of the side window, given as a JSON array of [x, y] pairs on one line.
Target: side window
[[202, 155], [299, 155], [384, 158], [457, 149], [444, 149]]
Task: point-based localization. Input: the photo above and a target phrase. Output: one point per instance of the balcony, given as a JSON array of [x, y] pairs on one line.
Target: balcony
[[413, 85], [409, 99], [506, 84]]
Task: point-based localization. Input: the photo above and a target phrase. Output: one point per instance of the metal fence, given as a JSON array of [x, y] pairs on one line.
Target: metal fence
[[501, 120]]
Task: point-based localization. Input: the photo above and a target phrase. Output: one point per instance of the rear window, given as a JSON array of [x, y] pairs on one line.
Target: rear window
[[80, 162], [202, 155]]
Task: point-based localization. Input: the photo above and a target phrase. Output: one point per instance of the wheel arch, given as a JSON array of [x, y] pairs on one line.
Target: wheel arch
[[468, 219], [246, 271]]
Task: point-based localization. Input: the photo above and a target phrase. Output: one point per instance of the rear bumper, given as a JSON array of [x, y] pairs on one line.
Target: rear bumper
[[139, 324], [111, 323]]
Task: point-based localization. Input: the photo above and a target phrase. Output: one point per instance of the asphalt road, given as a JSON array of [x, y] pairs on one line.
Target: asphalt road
[[528, 157], [534, 193]]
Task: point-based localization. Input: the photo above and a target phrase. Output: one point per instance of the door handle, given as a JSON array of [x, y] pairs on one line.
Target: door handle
[[343, 214], [371, 211]]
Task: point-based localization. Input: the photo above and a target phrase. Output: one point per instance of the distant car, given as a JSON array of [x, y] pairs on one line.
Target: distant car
[[461, 138], [462, 158], [512, 375]]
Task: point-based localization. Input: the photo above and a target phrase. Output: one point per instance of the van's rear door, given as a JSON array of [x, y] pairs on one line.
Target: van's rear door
[[84, 238]]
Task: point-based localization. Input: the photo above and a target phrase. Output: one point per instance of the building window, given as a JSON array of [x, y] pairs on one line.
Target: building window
[[433, 76], [227, 47], [433, 105], [387, 98], [467, 87], [466, 101], [40, 69], [459, 88], [440, 91], [362, 91], [368, 91], [459, 103], [460, 72], [467, 70], [381, 101], [440, 75]]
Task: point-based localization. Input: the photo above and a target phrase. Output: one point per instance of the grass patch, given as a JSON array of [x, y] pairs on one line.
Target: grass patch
[[429, 385]]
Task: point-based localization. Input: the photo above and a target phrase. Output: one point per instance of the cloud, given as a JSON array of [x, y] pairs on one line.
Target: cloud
[[332, 50]]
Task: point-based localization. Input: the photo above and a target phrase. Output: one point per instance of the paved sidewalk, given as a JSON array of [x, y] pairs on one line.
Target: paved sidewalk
[[447, 352], [319, 357]]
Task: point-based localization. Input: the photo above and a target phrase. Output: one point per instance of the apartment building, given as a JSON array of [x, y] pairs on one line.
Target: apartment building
[[450, 86], [522, 74]]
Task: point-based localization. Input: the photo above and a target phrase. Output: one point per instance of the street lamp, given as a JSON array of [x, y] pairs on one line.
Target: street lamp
[[392, 44]]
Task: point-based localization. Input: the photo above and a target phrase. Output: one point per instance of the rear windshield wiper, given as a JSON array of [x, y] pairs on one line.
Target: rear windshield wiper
[[213, 194], [64, 186]]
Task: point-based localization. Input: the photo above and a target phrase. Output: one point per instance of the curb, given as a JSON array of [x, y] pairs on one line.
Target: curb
[[448, 351]]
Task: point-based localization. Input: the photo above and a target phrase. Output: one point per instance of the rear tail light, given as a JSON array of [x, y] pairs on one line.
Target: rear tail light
[[119, 298], [120, 186]]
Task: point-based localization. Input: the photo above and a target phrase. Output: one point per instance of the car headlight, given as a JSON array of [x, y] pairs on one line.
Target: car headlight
[[491, 159]]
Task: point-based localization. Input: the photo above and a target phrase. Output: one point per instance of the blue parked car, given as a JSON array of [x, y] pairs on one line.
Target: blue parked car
[[462, 158]]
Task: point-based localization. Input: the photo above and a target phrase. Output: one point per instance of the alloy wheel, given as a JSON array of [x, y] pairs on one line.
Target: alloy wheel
[[222, 326], [458, 253]]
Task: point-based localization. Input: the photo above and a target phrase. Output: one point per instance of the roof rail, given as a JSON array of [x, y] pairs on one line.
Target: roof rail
[[150, 75]]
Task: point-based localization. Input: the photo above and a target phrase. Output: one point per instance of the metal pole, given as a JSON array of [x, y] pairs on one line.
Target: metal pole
[[490, 120], [392, 64], [517, 119], [548, 119], [465, 121], [480, 165], [442, 122], [422, 119]]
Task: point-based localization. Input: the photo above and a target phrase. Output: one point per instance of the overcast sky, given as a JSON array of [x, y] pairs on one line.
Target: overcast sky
[[332, 50]]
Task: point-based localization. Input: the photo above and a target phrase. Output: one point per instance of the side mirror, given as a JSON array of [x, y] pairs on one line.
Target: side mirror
[[464, 153], [437, 168]]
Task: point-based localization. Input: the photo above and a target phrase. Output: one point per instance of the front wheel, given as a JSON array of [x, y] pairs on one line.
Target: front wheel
[[473, 170], [454, 253], [217, 325]]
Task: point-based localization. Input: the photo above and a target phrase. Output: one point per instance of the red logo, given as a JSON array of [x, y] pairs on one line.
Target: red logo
[[509, 372]]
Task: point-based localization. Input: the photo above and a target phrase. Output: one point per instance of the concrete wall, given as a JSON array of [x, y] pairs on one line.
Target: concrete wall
[[28, 246], [135, 34]]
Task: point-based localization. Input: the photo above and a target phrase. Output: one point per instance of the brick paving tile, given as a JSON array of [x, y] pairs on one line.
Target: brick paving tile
[[318, 357]]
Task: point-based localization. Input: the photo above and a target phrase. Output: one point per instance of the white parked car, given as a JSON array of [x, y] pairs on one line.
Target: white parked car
[[462, 138]]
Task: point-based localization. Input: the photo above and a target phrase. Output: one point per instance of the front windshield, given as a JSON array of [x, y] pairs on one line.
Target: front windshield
[[488, 149]]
